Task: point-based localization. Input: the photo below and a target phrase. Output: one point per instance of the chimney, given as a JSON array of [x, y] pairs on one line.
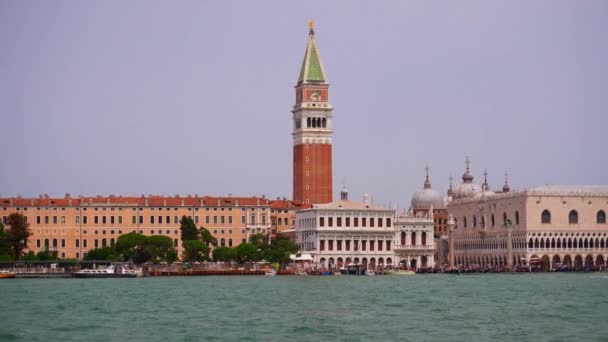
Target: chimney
[[366, 199]]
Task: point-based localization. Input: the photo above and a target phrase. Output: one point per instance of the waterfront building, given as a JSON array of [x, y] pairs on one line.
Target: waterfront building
[[346, 232], [312, 130], [552, 226], [73, 226], [414, 245], [428, 200], [283, 215]]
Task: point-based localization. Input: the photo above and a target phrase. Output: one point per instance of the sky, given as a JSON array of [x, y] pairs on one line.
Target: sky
[[194, 97]]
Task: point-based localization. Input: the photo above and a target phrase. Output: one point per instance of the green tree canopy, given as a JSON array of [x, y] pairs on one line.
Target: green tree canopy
[[280, 249], [139, 248], [17, 234], [248, 252], [188, 229], [259, 240], [206, 237], [224, 254], [160, 248], [5, 246], [195, 250]]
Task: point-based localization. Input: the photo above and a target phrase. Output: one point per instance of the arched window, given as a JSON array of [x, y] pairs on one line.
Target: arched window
[[601, 217], [492, 220], [474, 221], [402, 238], [54, 243], [223, 242], [464, 221], [413, 238], [483, 222], [46, 243], [112, 242], [423, 238], [573, 217], [319, 122], [545, 217], [308, 122], [504, 218], [104, 242], [324, 123], [517, 217]]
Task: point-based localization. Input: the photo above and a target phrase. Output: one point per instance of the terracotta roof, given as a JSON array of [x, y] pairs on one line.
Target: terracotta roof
[[287, 204]]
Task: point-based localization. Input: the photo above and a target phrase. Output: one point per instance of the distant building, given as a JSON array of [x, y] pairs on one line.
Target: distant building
[[312, 130], [346, 232], [414, 244], [551, 226], [428, 200], [73, 226], [283, 215]]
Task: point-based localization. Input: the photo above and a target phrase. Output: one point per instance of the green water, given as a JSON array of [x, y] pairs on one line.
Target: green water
[[503, 307]]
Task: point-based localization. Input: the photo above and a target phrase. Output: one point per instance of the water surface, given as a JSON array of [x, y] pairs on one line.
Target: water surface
[[501, 307]]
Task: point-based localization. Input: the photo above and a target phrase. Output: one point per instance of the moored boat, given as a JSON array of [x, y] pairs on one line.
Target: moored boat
[[271, 272], [399, 272], [7, 274], [108, 272]]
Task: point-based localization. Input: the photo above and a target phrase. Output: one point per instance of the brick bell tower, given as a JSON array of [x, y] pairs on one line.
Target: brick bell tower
[[312, 130]]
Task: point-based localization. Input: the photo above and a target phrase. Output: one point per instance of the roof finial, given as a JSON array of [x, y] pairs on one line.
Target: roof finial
[[450, 191], [311, 26], [427, 182], [485, 186], [505, 188], [467, 177]]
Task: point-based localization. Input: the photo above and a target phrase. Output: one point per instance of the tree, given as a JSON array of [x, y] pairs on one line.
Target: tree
[[224, 254], [5, 246], [47, 255], [206, 237], [260, 240], [131, 247], [17, 234], [160, 248], [188, 229], [195, 250], [247, 252], [280, 249], [104, 253]]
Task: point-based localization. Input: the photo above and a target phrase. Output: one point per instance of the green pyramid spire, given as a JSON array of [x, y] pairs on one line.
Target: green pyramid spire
[[312, 68]]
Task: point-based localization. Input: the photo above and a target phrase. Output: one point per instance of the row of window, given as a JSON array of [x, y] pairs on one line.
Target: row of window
[[373, 221], [413, 239], [134, 219], [505, 220], [600, 217], [356, 246], [96, 243], [566, 243]]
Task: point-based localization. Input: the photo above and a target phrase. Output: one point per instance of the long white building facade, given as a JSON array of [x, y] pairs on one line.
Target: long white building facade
[[549, 226], [346, 232]]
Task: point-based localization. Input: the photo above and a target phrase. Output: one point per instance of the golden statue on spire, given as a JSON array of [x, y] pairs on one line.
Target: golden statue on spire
[[311, 24]]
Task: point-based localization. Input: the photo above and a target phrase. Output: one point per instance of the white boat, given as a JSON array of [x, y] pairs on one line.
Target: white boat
[[271, 272], [370, 273], [107, 272], [399, 272]]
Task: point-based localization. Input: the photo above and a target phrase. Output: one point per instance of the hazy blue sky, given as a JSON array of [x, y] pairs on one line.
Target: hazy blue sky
[[194, 97]]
